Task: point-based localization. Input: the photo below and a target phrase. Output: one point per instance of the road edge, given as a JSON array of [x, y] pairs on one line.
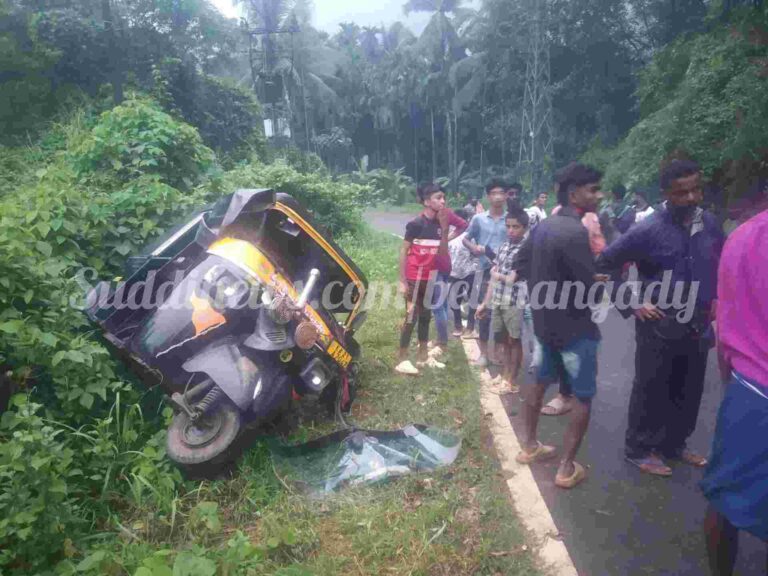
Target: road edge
[[526, 497]]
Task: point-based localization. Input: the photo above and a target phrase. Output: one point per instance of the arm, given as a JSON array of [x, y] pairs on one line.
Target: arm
[[628, 248], [459, 225], [404, 249], [481, 309], [443, 218], [469, 240]]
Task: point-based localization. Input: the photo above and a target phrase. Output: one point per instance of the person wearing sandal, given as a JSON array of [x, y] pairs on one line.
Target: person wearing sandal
[[682, 243], [557, 254]]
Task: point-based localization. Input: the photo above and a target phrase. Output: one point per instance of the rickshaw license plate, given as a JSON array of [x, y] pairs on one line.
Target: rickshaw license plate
[[338, 353]]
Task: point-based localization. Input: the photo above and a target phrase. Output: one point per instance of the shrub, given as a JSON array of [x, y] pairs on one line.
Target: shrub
[[38, 513], [227, 116], [704, 95], [137, 139], [336, 205]]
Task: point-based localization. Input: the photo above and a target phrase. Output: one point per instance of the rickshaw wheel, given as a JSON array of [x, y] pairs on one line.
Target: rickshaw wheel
[[204, 441]]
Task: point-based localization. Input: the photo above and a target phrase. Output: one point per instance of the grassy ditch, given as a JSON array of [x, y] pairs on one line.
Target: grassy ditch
[[454, 521]]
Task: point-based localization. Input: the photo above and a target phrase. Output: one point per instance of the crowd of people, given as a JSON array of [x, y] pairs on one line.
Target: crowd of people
[[490, 259]]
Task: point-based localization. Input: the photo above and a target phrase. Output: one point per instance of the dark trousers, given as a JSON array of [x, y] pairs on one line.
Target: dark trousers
[[479, 288], [666, 394], [417, 311], [458, 295]]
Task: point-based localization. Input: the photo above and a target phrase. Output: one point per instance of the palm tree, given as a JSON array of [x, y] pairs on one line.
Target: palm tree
[[441, 45]]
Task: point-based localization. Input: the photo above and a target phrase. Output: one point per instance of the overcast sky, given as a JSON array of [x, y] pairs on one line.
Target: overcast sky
[[329, 13]]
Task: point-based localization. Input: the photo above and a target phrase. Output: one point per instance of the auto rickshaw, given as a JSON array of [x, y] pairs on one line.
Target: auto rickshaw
[[242, 308]]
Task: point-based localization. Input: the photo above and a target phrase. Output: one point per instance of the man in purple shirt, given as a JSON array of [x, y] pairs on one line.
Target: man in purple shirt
[[736, 481]]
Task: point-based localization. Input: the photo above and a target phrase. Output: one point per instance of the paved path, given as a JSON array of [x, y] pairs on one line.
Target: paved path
[[622, 522], [393, 223]]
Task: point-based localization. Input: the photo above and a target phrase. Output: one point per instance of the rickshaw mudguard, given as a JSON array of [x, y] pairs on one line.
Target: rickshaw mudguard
[[232, 371]]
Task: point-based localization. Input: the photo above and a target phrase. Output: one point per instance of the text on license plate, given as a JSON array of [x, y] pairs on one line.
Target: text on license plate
[[342, 357]]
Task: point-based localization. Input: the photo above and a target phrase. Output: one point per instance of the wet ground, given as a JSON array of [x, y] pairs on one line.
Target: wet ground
[[388, 222], [622, 522]]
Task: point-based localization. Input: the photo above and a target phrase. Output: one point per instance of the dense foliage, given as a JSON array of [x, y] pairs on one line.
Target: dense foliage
[[703, 96], [79, 442], [119, 117]]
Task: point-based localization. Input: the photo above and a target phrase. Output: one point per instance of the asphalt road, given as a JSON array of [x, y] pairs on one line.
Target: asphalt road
[[621, 522]]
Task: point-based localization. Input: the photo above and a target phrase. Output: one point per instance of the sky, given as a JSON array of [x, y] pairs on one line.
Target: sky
[[329, 13]]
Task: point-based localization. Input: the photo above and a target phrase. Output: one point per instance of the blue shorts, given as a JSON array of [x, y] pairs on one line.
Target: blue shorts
[[736, 481], [575, 364]]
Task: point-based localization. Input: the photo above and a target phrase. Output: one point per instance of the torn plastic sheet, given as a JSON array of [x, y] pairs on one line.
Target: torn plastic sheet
[[353, 457]]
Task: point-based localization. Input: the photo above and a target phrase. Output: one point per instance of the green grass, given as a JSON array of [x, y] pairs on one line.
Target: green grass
[[453, 521]]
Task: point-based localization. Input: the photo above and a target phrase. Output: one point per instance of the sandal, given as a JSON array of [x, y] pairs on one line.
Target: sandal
[[579, 475], [651, 465], [696, 460], [407, 368], [542, 452], [556, 407]]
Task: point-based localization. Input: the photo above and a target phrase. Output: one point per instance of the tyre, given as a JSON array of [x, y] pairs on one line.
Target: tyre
[[206, 441]]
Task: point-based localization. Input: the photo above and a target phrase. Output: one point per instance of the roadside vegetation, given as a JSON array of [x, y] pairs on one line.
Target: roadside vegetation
[[85, 487]]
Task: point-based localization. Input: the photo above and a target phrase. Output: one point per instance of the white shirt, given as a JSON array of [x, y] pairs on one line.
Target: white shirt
[[641, 215], [536, 215]]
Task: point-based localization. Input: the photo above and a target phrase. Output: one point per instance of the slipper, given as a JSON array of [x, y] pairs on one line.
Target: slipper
[[431, 362], [435, 352], [696, 460], [651, 465], [542, 452], [457, 333], [556, 407], [407, 368], [579, 475]]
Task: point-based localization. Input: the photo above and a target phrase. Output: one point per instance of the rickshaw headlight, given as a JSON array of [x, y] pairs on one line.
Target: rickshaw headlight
[[316, 375], [306, 335]]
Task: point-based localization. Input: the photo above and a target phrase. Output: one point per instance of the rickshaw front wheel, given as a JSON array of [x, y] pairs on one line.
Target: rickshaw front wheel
[[206, 440]]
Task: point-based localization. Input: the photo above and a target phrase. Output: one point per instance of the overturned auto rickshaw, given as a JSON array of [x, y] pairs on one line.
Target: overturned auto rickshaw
[[235, 313]]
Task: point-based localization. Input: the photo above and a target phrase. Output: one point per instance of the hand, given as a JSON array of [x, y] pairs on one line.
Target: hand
[[402, 287], [442, 218], [479, 250], [602, 277], [481, 312], [648, 312]]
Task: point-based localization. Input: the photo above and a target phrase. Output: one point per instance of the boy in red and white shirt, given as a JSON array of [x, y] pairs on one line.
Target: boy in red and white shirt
[[424, 246]]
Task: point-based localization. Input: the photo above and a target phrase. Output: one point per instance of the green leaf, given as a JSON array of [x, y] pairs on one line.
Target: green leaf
[[86, 400], [49, 339], [44, 248], [142, 571], [92, 561], [11, 326], [58, 357], [77, 356], [124, 249], [188, 564]]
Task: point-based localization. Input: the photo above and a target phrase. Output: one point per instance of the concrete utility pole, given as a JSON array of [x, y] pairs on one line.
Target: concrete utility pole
[[536, 140], [264, 54]]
